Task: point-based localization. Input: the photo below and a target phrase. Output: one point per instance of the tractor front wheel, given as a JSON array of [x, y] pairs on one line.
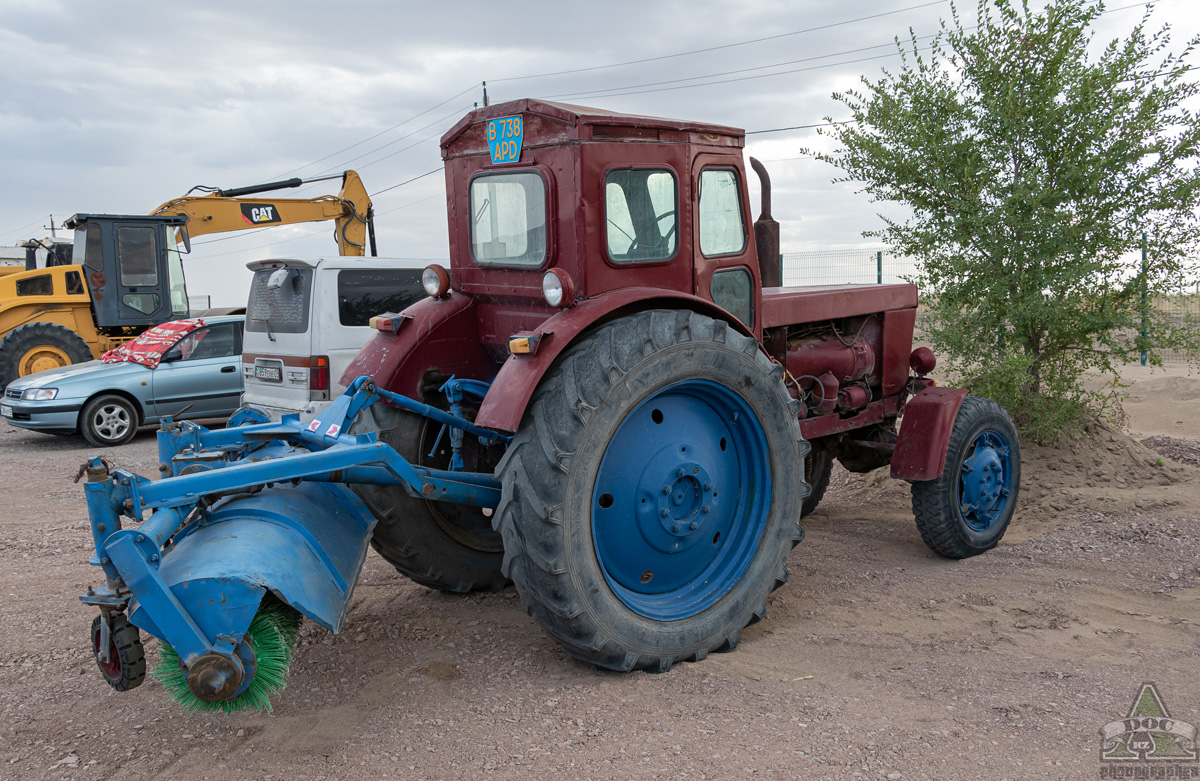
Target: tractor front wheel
[[966, 510], [653, 491]]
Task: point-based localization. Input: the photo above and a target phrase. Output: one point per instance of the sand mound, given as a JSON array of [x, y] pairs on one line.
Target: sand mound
[[1104, 470]]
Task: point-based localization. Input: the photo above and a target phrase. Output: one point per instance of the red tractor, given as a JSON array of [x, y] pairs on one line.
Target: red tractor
[[607, 399], [675, 411]]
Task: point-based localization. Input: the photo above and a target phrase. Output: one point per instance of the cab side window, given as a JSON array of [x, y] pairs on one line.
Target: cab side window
[[722, 229], [641, 215]]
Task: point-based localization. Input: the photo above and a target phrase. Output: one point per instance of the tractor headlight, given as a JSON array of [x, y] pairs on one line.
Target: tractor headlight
[[557, 288], [39, 394], [435, 280]]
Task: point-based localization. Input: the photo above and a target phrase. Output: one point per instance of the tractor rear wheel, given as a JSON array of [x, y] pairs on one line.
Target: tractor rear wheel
[[36, 347], [966, 510], [445, 546], [652, 493]]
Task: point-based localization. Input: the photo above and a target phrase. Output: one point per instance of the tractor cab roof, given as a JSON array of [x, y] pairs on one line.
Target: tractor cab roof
[[547, 124]]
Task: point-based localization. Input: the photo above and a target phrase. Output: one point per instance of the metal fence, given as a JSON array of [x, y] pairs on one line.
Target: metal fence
[[844, 266], [873, 266]]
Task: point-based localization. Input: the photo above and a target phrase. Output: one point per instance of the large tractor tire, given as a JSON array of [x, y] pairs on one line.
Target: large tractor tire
[[818, 466], [967, 510], [36, 347], [653, 491], [448, 547]]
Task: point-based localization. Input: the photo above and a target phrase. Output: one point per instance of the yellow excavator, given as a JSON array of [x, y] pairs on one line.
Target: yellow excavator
[[124, 273]]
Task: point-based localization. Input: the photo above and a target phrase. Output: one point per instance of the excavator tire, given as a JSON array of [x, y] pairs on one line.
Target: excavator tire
[[36, 347]]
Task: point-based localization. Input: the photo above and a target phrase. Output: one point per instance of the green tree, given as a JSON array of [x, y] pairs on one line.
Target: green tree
[[1031, 169]]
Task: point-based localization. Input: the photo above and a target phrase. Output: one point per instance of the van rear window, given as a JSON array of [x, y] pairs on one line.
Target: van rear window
[[364, 293], [282, 308]]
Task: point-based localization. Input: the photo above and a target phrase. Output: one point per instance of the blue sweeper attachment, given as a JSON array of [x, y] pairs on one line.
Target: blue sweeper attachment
[[247, 518]]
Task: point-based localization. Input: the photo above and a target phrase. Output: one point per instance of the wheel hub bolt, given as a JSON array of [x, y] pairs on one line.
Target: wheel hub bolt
[[666, 489], [677, 528], [708, 486], [693, 526], [706, 509], [664, 512]]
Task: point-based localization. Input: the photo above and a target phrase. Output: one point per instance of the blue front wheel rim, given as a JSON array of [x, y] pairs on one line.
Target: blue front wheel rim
[[681, 499], [985, 481]]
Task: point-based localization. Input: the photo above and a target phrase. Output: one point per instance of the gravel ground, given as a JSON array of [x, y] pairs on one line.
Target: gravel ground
[[878, 660]]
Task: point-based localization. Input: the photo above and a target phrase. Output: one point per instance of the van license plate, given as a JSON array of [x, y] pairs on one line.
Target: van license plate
[[5, 411], [268, 373]]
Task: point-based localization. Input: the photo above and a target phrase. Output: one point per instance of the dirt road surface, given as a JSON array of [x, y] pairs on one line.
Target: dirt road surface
[[878, 659]]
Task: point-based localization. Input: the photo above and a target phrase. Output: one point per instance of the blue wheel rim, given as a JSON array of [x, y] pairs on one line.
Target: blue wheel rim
[[985, 480], [681, 500]]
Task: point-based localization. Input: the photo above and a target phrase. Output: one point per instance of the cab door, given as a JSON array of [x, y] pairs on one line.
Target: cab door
[[726, 262], [127, 272]]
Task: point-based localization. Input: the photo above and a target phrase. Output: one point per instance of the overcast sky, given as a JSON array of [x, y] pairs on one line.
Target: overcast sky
[[118, 106]]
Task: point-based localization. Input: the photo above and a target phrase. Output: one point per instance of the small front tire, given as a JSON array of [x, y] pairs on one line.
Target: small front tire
[[126, 667], [967, 509]]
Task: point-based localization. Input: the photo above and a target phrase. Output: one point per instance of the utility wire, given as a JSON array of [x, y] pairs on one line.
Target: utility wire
[[303, 235], [22, 228], [742, 78], [722, 46], [381, 132]]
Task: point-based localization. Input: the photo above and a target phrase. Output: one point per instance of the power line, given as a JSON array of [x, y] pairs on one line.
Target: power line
[[743, 78], [722, 46], [733, 72], [22, 228], [303, 235], [381, 132], [410, 181], [801, 127]]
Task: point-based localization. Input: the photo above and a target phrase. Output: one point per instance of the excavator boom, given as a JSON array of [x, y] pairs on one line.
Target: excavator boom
[[222, 211]]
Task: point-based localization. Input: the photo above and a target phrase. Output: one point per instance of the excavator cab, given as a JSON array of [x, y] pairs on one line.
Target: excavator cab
[[133, 267]]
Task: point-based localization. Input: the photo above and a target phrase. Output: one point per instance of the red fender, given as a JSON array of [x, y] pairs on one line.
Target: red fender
[[505, 403], [925, 433], [440, 334]]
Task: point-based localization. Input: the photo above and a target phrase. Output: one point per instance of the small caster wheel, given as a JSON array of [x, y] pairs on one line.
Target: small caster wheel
[[126, 665]]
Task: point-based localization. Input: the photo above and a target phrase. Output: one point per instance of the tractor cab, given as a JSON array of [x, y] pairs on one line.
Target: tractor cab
[[552, 204], [133, 267]]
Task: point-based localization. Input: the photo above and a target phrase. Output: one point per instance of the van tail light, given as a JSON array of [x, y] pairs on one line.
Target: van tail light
[[318, 372]]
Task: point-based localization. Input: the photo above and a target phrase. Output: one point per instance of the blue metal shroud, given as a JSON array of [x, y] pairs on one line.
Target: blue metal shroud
[[305, 543]]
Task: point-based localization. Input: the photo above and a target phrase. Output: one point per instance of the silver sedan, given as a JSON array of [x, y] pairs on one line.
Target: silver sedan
[[106, 402]]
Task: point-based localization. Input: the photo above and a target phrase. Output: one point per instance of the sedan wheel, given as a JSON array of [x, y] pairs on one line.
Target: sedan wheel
[[108, 421]]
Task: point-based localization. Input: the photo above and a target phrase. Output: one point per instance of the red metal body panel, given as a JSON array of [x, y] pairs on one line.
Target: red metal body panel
[[925, 433], [437, 335], [824, 425], [782, 306], [519, 376], [898, 327]]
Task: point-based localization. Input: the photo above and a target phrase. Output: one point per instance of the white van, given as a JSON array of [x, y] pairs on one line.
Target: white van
[[306, 320]]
